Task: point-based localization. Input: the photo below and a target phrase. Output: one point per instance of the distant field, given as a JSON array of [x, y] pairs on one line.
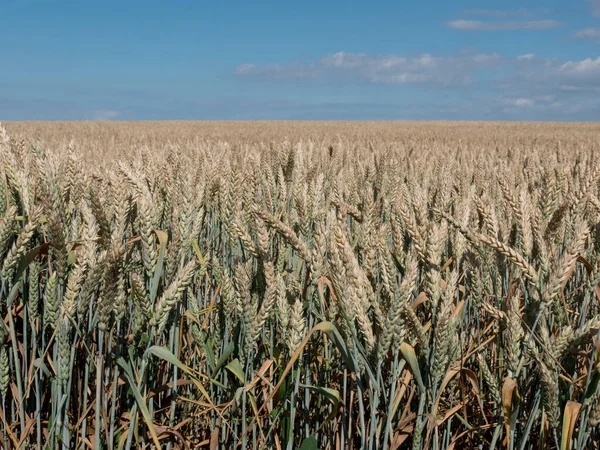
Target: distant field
[[314, 285], [107, 136]]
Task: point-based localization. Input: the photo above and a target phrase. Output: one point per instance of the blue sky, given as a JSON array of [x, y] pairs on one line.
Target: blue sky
[[190, 59]]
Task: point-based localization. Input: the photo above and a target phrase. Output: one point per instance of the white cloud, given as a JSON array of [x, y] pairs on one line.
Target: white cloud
[[245, 68], [498, 13], [551, 76], [381, 64], [380, 69], [105, 115], [521, 102], [276, 71], [585, 68], [526, 83], [527, 71], [526, 57], [588, 33], [478, 25]]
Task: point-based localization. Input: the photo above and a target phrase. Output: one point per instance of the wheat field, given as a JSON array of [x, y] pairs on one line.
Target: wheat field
[[306, 285]]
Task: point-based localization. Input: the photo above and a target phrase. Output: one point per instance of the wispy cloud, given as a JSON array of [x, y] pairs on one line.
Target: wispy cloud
[[526, 57], [278, 71], [502, 13], [379, 69], [520, 102], [505, 20], [595, 4], [588, 68], [524, 83], [105, 115], [588, 33], [478, 25], [573, 81], [443, 71]]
